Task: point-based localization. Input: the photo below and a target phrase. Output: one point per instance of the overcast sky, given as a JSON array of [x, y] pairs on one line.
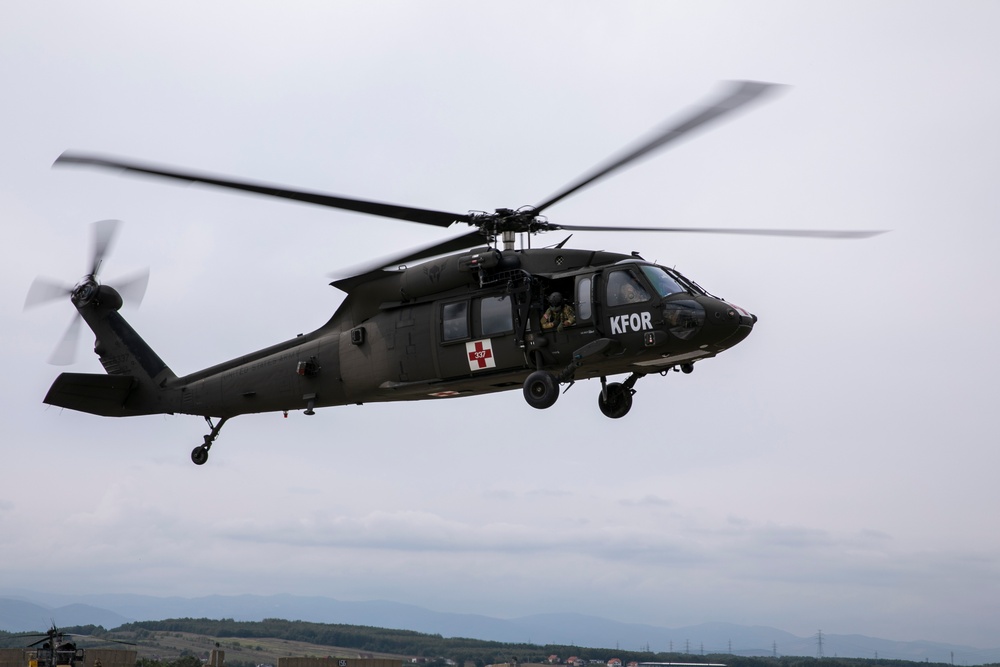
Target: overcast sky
[[835, 471]]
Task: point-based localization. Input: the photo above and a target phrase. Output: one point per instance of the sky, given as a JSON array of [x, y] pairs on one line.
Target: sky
[[835, 471]]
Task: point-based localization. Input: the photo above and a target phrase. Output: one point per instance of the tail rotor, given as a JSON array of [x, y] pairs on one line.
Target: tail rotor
[[46, 290]]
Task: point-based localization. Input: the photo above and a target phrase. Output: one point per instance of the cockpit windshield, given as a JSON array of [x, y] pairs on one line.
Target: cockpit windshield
[[663, 282]]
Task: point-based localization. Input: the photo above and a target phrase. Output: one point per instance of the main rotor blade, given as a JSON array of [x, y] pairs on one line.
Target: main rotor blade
[[739, 94], [44, 290], [65, 352], [104, 235], [801, 233], [467, 240], [359, 274], [423, 216], [101, 640]]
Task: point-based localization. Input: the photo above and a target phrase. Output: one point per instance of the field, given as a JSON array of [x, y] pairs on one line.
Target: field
[[171, 645]]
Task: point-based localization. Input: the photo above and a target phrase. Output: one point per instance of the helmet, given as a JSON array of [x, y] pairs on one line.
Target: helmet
[[555, 299]]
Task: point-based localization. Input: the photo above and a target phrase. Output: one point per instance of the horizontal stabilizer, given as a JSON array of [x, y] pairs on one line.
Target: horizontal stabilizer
[[97, 394]]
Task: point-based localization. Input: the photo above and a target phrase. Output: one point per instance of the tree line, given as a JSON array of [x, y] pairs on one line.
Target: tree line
[[464, 652]]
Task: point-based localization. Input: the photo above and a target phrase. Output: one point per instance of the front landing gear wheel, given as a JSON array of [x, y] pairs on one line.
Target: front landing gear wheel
[[541, 390], [615, 400], [199, 455]]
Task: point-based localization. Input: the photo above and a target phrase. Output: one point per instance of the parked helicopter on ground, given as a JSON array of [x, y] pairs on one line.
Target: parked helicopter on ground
[[466, 324], [56, 648]]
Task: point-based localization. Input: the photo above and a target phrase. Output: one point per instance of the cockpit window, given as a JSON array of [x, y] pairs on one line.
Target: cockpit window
[[662, 282], [624, 288]]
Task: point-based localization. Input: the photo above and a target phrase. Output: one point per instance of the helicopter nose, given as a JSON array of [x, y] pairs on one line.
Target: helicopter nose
[[730, 322]]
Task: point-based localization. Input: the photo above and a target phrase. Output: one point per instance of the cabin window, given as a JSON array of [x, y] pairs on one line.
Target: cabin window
[[455, 321], [496, 316], [625, 289], [584, 309]]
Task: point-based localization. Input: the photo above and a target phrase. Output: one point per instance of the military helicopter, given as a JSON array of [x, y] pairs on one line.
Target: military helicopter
[[485, 317], [56, 648]]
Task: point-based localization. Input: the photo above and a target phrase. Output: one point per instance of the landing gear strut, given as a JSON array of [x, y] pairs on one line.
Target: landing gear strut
[[199, 455], [615, 399]]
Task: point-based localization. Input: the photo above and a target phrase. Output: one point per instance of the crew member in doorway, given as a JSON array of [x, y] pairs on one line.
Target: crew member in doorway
[[559, 314]]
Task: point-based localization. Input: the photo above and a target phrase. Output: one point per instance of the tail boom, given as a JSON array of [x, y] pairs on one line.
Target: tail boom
[[136, 375]]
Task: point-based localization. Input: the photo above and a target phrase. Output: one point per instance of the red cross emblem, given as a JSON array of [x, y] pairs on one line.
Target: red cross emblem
[[480, 355], [444, 394]]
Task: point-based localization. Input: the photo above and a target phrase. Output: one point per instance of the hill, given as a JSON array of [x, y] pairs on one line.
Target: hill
[[542, 629]]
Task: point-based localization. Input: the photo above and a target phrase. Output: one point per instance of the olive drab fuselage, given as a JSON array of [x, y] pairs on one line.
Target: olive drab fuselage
[[459, 326]]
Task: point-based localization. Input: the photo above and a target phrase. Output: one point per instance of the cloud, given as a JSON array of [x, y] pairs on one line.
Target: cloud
[[832, 470], [648, 501]]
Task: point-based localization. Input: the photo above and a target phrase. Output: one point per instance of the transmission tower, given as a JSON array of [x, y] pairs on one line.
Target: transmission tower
[[819, 644]]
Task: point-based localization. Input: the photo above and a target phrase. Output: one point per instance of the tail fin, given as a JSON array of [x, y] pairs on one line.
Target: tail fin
[[136, 375]]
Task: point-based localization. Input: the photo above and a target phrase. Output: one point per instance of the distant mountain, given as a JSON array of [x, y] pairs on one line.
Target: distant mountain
[[35, 611], [22, 616]]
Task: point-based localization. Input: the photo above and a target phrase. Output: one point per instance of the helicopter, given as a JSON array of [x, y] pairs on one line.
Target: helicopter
[[56, 648], [468, 316]]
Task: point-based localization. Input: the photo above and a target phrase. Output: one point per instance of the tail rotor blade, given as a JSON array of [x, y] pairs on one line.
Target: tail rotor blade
[[104, 235], [44, 290], [132, 288], [65, 352]]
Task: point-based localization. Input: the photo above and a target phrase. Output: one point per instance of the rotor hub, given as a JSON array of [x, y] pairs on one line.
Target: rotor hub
[[85, 291], [508, 221]]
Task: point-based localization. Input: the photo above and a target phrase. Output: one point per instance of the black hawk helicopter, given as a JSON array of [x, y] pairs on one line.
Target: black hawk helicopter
[[486, 318], [56, 648]]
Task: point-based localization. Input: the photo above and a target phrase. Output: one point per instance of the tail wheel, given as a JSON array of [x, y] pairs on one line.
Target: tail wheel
[[541, 390], [615, 401], [199, 455]]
